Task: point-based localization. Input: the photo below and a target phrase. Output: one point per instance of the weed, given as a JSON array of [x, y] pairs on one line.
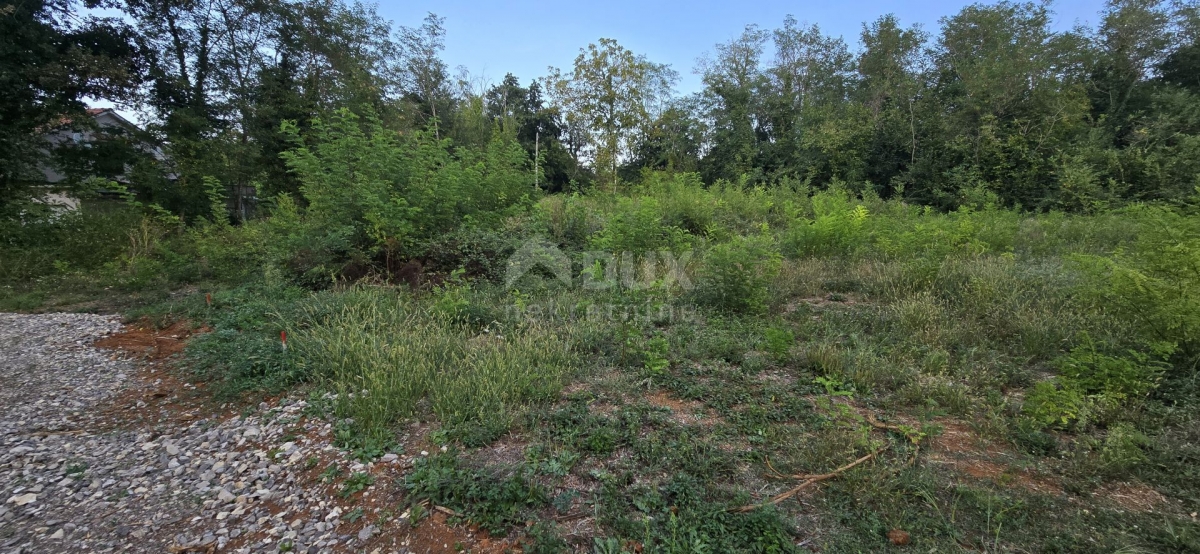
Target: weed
[[330, 474], [353, 515], [356, 483]]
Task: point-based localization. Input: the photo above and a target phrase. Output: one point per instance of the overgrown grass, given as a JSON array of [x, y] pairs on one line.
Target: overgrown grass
[[383, 354], [1066, 343]]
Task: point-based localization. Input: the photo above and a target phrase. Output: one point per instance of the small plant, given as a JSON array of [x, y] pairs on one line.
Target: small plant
[[330, 474], [356, 483], [779, 343], [1122, 449], [494, 502], [353, 515], [655, 355], [834, 387], [1051, 405]]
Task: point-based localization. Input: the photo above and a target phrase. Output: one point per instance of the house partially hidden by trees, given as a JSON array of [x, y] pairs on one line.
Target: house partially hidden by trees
[[103, 146]]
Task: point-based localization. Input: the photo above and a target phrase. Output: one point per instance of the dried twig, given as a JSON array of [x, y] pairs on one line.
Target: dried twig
[[885, 426], [572, 517], [446, 511], [809, 481]]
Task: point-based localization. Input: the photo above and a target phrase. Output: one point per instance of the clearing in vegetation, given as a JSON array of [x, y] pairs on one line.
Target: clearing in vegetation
[[941, 293]]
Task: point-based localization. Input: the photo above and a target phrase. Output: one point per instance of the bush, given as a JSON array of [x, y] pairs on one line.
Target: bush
[[1131, 376], [370, 191], [636, 226], [735, 276], [1154, 286], [1051, 405], [83, 240], [683, 201], [837, 228]]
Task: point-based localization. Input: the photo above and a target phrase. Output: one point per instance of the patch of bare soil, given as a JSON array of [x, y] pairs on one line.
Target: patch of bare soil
[[1131, 496], [962, 450], [684, 412], [158, 393]]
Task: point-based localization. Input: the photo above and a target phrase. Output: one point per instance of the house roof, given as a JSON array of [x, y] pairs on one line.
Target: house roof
[[95, 113]]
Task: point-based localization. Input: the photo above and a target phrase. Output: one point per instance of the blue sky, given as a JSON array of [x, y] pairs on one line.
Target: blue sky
[[524, 37]]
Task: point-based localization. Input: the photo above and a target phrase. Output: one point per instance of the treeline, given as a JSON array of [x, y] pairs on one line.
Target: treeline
[[997, 107]]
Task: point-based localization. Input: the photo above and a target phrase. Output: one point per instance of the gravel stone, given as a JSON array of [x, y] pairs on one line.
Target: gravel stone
[[72, 480]]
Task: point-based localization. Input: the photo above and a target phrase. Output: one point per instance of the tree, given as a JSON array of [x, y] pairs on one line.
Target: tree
[[612, 94], [808, 81], [50, 60], [1131, 42], [424, 76], [889, 85], [731, 98], [538, 128], [1007, 95], [674, 141]]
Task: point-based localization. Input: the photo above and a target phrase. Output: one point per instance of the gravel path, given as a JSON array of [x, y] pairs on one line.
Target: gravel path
[[74, 480]]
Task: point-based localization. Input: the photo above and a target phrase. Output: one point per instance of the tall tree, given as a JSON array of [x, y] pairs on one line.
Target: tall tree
[[731, 98], [538, 128], [613, 94], [425, 78], [1009, 94], [889, 86]]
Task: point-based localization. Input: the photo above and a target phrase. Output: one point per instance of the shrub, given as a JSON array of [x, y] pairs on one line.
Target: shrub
[[683, 201], [1155, 285], [636, 226], [837, 228], [1131, 376], [369, 190], [1051, 405], [735, 275]]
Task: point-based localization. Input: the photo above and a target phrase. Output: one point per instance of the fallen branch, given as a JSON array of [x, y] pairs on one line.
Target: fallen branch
[[809, 481], [884, 426], [434, 507], [572, 517]]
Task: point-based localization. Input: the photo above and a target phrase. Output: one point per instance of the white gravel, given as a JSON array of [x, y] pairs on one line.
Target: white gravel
[[69, 483]]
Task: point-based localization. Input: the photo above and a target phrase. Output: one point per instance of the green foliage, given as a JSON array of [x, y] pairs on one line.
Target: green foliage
[[494, 502], [779, 342], [655, 355], [637, 226], [1131, 376], [735, 275], [1049, 404], [837, 228], [1122, 448], [84, 240], [382, 354], [1154, 284], [1093, 388], [356, 483], [369, 191]]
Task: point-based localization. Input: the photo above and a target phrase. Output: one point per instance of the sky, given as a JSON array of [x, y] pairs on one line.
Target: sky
[[524, 37]]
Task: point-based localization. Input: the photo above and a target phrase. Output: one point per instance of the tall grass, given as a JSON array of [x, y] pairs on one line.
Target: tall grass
[[387, 358]]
